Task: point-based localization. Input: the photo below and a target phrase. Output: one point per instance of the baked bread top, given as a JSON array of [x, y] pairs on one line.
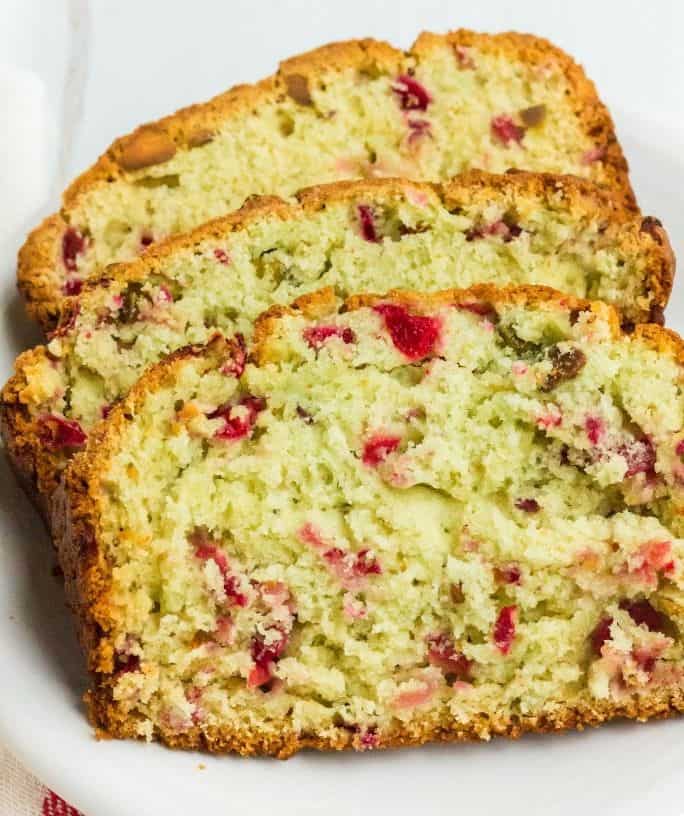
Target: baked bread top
[[355, 236], [405, 517], [359, 108]]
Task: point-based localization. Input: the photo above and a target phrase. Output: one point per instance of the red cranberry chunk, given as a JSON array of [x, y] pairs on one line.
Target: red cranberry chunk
[[640, 456], [266, 650], [207, 550], [146, 239], [641, 612], [125, 664], [464, 57], [679, 450], [378, 448], [527, 505], [414, 335], [418, 130], [412, 95], [442, 654], [367, 224], [508, 574], [593, 155], [365, 563], [504, 628], [601, 634], [316, 336], [238, 426], [505, 130], [73, 287], [58, 433], [222, 256], [595, 429], [350, 567], [73, 245], [369, 739]]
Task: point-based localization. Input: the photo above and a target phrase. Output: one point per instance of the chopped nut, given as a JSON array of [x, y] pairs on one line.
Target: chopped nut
[[298, 88], [533, 116], [199, 137], [566, 365], [146, 147]]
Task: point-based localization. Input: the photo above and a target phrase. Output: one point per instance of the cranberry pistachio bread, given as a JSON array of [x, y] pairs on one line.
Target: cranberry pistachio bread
[[359, 108], [406, 518], [355, 236]]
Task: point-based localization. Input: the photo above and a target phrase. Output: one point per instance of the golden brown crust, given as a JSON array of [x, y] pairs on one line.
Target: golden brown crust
[[38, 277], [77, 511], [283, 744], [193, 126], [39, 466]]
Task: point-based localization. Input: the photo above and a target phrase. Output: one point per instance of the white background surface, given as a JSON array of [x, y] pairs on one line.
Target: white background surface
[[99, 69]]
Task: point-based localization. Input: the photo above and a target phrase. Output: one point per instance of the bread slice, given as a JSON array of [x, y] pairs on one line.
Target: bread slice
[[360, 108], [355, 236], [406, 518]]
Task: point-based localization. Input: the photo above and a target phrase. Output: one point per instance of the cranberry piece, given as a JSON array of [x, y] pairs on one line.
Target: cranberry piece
[[316, 336], [508, 574], [206, 550], [644, 659], [414, 335], [641, 612], [412, 95], [418, 130], [73, 287], [236, 365], [238, 427], [640, 456], [442, 653], [58, 433], [505, 131], [595, 429], [464, 57], [593, 155], [679, 450], [378, 448], [504, 628], [481, 309], [367, 224], [652, 557], [601, 634], [125, 664], [507, 232], [527, 505], [225, 630], [369, 739], [146, 239], [365, 563], [349, 568], [266, 651], [222, 256], [73, 245]]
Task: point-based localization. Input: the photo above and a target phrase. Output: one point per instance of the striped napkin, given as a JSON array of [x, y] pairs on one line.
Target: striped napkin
[[23, 795]]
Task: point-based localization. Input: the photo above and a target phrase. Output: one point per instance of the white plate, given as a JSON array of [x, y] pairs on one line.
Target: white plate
[[617, 769]]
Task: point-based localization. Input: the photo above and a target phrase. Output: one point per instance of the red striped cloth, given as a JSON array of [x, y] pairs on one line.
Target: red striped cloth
[[21, 794], [54, 805]]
